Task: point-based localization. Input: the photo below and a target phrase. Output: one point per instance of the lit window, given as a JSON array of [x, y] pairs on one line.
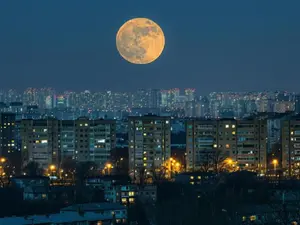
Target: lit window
[[252, 218], [86, 124], [37, 141], [199, 177], [192, 177], [80, 125], [233, 132], [45, 130], [145, 158], [44, 141], [292, 132], [33, 130], [215, 145], [145, 134], [145, 164], [227, 146], [227, 126], [233, 126], [292, 139], [192, 183], [131, 200], [124, 200], [167, 121], [131, 193]]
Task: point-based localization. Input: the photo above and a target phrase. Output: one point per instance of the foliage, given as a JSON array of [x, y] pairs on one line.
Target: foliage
[[33, 169], [83, 171], [159, 174], [137, 213], [6, 172]]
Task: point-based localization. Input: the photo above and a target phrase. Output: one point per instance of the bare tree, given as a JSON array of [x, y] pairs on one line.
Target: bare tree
[[205, 164], [212, 160], [141, 176], [219, 158], [159, 174]]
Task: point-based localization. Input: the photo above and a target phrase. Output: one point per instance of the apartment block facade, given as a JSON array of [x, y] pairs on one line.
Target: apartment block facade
[[290, 140], [52, 141], [149, 142], [243, 141]]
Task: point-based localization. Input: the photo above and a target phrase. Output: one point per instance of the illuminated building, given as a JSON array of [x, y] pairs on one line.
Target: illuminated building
[[149, 142], [290, 136], [244, 141], [8, 145], [190, 93], [94, 140], [40, 142], [60, 101], [51, 141]]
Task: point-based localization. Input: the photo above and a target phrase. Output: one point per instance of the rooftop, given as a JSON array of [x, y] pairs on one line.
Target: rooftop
[[59, 218], [94, 207]]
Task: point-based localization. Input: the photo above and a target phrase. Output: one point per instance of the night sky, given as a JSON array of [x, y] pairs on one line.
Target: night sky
[[213, 45]]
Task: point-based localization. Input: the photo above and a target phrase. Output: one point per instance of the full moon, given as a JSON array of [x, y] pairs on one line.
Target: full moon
[[140, 41]]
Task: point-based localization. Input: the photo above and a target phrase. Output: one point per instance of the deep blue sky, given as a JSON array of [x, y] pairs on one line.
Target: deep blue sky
[[213, 45]]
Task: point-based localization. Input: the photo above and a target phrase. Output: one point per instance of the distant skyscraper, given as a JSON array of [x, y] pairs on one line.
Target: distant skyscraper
[[190, 93], [297, 104], [154, 98]]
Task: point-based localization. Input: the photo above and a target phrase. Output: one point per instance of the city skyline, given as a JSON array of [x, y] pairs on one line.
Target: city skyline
[[218, 46]]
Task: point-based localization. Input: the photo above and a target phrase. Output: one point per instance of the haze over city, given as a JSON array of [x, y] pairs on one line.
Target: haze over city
[[212, 45], [162, 112]]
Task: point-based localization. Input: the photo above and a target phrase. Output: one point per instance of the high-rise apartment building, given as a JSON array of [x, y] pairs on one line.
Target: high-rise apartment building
[[9, 146], [290, 140], [102, 140], [52, 141], [149, 142], [40, 142], [244, 141]]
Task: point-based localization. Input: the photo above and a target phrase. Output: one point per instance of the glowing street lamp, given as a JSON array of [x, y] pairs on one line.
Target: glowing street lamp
[[3, 160], [275, 163], [108, 166], [52, 167], [230, 161]]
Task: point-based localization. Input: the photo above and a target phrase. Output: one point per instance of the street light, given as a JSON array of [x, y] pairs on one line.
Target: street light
[[52, 167], [275, 163], [108, 166]]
